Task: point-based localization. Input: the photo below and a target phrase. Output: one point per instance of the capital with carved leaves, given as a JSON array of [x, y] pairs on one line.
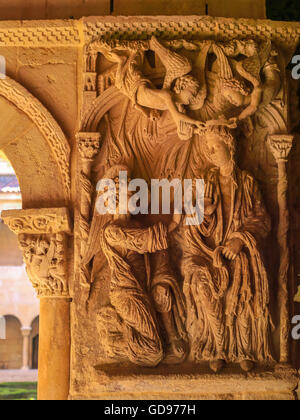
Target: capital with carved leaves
[[88, 145], [43, 239], [281, 145]]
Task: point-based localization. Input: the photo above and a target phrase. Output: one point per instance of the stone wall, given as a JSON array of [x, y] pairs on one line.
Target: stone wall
[[17, 296], [11, 348], [65, 9]]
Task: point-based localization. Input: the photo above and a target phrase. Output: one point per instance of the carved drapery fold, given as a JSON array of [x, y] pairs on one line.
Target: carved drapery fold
[[145, 96]]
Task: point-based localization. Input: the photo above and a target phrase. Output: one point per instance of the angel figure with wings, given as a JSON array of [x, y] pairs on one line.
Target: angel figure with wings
[[248, 79], [180, 90]]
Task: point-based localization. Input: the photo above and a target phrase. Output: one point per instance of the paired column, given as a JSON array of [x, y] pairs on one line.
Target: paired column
[[43, 237], [281, 146]]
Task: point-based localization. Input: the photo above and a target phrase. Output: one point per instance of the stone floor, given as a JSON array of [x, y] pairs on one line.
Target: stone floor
[[18, 376]]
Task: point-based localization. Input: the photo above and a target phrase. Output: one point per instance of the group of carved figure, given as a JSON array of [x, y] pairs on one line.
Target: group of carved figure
[[217, 309]]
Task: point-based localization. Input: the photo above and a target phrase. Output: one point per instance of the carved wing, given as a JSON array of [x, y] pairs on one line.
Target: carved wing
[[176, 65], [93, 245], [250, 68]]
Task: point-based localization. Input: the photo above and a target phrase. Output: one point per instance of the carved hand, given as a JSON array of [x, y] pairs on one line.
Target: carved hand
[[233, 248], [209, 205], [222, 121], [172, 226], [182, 118]]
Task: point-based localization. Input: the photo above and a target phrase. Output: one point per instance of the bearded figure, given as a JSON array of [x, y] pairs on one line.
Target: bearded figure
[[226, 284]]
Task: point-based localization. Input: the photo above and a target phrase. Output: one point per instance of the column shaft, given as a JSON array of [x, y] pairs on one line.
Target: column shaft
[[26, 347], [54, 349]]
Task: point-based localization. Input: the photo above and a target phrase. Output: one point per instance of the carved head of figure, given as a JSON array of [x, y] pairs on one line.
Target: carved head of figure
[[220, 146], [28, 247], [43, 247], [186, 89], [234, 91]]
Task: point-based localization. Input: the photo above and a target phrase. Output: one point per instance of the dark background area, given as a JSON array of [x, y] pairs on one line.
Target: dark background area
[[283, 10]]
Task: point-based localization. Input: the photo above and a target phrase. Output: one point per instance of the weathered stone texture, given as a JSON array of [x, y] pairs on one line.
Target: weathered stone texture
[[159, 7], [67, 120], [66, 9], [240, 9], [52, 9]]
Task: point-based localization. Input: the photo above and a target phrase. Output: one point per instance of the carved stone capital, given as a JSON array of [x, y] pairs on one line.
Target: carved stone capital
[[43, 236], [281, 145], [26, 331], [88, 145], [45, 257], [38, 221]]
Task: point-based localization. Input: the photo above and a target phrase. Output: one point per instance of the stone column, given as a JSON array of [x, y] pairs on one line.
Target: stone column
[[43, 238], [26, 347], [88, 148], [281, 146]]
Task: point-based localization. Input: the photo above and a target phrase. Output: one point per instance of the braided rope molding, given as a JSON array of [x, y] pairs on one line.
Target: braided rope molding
[[50, 34], [220, 29], [24, 101]]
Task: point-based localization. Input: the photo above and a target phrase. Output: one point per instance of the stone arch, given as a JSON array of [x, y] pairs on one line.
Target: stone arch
[[34, 319], [11, 348], [36, 147]]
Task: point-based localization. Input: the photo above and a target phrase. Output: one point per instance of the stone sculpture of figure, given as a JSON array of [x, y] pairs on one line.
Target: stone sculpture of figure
[[45, 263], [226, 284], [147, 307], [180, 89], [36, 256], [258, 68]]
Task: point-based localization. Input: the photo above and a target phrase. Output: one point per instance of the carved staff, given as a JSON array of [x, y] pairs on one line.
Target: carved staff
[[281, 146], [88, 147]]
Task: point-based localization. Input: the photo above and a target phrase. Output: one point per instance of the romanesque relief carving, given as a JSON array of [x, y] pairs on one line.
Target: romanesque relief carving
[[38, 221], [187, 108], [42, 236], [46, 265], [142, 299], [225, 280], [190, 27]]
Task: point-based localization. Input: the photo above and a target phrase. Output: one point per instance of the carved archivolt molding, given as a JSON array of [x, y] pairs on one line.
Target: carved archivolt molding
[[27, 103], [43, 239]]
